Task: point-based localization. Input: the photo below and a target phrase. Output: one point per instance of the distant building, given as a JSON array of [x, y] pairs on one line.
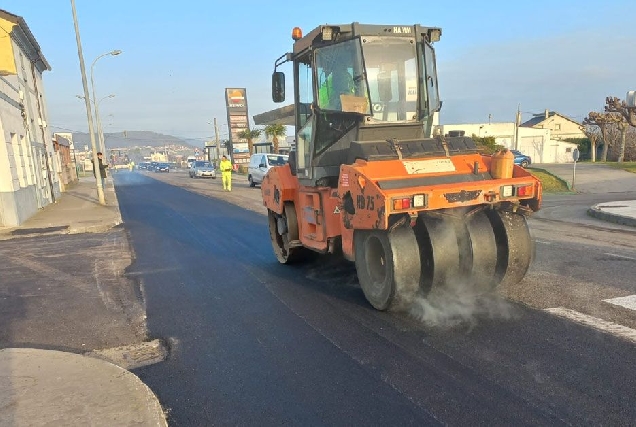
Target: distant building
[[64, 157], [28, 176], [560, 126], [534, 142], [158, 156]]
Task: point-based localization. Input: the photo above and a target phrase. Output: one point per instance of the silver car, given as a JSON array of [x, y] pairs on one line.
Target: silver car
[[202, 169], [260, 164]]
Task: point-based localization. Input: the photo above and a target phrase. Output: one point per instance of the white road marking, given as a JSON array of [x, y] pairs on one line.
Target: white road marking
[[543, 242], [620, 256], [628, 302], [596, 323]]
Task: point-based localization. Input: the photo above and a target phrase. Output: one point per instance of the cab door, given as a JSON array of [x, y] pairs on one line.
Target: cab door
[[304, 100]]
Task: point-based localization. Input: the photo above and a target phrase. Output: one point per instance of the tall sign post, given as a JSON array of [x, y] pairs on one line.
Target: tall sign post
[[237, 121], [575, 157]]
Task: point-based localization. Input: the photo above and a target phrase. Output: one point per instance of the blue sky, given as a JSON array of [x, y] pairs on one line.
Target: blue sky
[[178, 57]]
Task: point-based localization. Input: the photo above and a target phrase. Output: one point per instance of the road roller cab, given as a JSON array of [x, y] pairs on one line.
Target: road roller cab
[[368, 179]]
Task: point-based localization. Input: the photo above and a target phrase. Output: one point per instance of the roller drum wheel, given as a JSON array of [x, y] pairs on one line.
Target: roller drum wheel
[[457, 251], [282, 240], [515, 246], [482, 252], [388, 267], [441, 255]]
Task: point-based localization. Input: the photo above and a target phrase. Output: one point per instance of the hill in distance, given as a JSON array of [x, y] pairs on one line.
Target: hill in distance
[[136, 139]]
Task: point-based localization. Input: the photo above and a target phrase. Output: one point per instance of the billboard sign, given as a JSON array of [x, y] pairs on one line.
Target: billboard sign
[[236, 100], [237, 122]]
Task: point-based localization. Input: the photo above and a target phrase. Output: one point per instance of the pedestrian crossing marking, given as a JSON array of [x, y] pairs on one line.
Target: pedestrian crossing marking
[[596, 323], [627, 302]]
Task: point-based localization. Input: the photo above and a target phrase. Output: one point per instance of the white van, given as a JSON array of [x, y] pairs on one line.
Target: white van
[[261, 163]]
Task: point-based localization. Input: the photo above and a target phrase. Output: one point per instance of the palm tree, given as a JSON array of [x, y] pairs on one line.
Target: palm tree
[[275, 130], [250, 134]]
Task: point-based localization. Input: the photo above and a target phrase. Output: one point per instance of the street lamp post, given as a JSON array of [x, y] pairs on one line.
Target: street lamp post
[[216, 137], [100, 130], [89, 113], [100, 133], [98, 118]]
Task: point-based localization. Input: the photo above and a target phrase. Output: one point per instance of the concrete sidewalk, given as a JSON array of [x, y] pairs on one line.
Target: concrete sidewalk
[[47, 387], [77, 211]]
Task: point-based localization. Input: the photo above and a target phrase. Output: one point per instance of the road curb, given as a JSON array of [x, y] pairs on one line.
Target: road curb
[[598, 213], [100, 228]]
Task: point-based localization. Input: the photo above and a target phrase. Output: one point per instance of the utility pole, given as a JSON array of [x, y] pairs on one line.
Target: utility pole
[[89, 113], [218, 144], [517, 125]]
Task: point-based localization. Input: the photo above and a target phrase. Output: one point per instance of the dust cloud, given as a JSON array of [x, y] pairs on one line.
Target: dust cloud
[[459, 304]]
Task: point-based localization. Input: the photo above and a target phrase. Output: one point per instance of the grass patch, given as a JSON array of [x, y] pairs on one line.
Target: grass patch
[[626, 166], [551, 183]]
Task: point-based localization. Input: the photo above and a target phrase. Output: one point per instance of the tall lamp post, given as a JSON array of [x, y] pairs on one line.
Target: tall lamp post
[[89, 114], [100, 130], [100, 133]]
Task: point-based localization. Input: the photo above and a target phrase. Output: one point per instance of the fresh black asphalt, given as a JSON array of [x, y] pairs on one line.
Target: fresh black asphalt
[[257, 343]]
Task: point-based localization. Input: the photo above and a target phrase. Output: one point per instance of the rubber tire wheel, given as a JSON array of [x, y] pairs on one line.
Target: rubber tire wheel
[[524, 164], [252, 184], [388, 266], [515, 245]]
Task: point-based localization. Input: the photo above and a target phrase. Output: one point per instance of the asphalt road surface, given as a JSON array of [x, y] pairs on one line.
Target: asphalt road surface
[[253, 342]]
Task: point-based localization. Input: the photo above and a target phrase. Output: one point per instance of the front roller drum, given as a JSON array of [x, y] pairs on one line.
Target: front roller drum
[[283, 231], [388, 267]]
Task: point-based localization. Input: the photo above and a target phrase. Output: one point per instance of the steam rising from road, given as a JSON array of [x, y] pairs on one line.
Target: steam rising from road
[[458, 304]]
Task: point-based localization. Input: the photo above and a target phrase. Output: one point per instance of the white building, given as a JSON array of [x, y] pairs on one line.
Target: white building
[[534, 142], [28, 179]]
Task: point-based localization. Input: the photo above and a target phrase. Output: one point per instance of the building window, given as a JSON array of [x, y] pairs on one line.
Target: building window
[[28, 161], [20, 163], [14, 169], [557, 126], [568, 150]]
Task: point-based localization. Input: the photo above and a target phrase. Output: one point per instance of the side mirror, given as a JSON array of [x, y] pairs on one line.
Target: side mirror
[[278, 86], [262, 165], [291, 159]]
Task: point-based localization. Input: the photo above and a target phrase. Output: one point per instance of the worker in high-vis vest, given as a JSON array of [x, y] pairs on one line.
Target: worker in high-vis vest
[[337, 81], [226, 173]]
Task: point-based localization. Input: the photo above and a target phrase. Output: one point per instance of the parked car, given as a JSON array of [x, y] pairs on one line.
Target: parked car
[[162, 167], [202, 169], [521, 159], [260, 164]]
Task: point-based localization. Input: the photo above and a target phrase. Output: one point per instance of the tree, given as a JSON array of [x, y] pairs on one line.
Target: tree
[[250, 134], [602, 120], [592, 130], [627, 117], [615, 105], [275, 130]]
